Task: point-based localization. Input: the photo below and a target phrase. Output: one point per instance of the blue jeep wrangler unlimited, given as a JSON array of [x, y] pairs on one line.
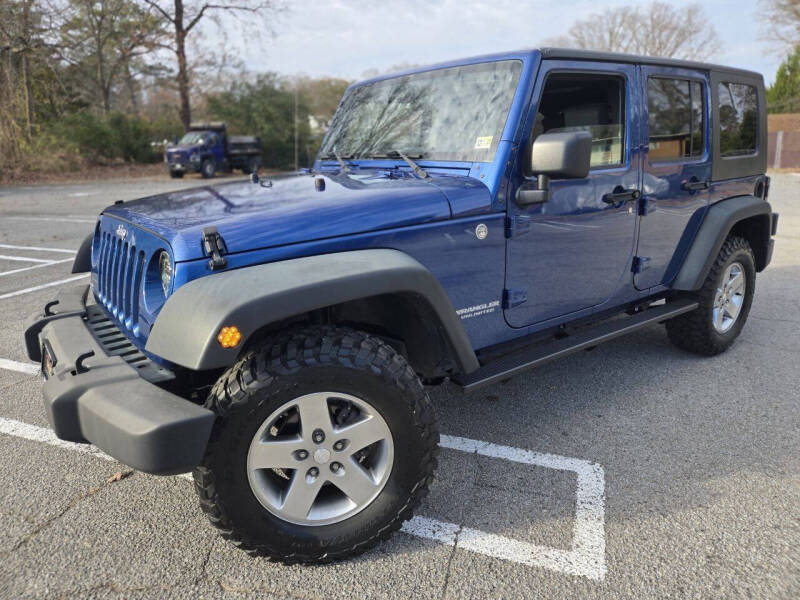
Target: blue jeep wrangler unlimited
[[467, 221]]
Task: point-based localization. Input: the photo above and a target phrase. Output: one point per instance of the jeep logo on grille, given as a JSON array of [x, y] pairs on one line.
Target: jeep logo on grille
[[122, 232]]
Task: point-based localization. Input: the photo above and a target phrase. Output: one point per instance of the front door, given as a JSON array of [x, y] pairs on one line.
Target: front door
[[573, 254], [677, 171]]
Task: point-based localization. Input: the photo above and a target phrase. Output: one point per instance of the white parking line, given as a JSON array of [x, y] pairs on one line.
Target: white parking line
[[23, 259], [585, 558], [587, 555], [46, 264], [37, 249], [42, 286], [45, 435], [13, 365]]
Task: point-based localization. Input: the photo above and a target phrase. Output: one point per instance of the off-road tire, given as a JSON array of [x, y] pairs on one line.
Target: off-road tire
[[292, 364], [695, 331], [208, 169]]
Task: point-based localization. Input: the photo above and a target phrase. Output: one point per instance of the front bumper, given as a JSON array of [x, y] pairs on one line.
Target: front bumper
[[100, 388], [185, 166]]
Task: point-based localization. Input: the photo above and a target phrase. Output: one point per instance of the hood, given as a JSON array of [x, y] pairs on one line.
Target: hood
[[250, 216]]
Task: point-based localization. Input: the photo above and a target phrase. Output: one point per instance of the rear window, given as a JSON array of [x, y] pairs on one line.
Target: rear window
[[675, 118], [738, 119]]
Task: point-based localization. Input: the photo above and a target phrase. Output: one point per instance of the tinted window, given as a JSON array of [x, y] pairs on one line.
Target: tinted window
[[593, 103], [675, 118], [738, 119]]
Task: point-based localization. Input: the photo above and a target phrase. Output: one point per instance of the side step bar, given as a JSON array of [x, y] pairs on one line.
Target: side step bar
[[528, 358]]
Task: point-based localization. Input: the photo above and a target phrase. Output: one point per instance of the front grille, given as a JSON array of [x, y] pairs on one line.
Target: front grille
[[120, 268], [115, 343]]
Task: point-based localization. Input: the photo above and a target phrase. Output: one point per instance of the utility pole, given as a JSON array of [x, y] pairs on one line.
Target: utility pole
[[295, 127]]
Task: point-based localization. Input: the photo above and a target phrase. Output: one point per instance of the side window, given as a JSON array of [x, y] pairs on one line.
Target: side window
[[738, 119], [593, 103], [211, 141], [675, 118]]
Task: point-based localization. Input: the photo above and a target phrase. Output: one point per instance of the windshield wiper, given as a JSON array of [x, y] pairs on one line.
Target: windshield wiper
[[419, 171], [342, 164]]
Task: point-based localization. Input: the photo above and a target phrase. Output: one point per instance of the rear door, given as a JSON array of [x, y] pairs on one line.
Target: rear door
[[573, 253], [676, 173]]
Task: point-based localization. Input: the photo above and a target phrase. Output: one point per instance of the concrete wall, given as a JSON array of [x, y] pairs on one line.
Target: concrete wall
[[784, 141]]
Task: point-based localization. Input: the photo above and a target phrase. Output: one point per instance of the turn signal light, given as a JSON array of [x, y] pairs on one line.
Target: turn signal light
[[229, 337]]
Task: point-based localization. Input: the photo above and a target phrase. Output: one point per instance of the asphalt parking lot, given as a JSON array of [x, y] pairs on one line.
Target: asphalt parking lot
[[632, 471]]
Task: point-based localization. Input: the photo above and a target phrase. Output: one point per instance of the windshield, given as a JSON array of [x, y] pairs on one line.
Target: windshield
[[448, 114], [193, 137]]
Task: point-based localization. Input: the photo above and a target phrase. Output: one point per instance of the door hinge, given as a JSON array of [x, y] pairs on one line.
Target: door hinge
[[214, 246], [517, 225], [639, 264], [512, 298]]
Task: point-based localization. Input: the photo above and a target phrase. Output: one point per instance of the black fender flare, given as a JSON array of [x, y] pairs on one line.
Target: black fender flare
[[83, 259], [720, 219], [186, 329]]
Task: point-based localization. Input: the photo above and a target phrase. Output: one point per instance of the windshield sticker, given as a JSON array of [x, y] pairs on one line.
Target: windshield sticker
[[484, 143], [478, 310]]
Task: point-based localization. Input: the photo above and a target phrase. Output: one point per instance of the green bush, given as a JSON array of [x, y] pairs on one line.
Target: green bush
[[116, 136], [265, 107]]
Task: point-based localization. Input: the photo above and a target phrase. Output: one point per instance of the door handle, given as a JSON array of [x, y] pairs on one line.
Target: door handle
[[621, 195], [694, 186]]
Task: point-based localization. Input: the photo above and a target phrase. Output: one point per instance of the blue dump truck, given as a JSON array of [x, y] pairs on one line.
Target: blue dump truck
[[207, 148], [465, 222]]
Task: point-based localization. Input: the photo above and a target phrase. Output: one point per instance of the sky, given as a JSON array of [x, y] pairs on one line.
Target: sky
[[346, 38]]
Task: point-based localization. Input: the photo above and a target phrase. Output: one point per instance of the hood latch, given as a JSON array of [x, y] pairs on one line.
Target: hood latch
[[214, 246]]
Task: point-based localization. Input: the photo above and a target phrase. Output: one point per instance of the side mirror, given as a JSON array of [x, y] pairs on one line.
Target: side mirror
[[564, 155]]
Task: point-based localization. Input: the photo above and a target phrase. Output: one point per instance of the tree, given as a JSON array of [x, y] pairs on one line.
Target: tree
[[264, 105], [781, 19], [103, 38], [182, 17], [784, 94], [22, 25], [322, 96], [657, 29]]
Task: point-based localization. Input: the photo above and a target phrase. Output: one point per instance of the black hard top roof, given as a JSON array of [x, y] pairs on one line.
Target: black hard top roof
[[618, 57]]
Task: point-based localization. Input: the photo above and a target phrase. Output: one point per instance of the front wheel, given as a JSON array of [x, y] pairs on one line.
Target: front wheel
[[208, 169], [724, 300], [325, 443]]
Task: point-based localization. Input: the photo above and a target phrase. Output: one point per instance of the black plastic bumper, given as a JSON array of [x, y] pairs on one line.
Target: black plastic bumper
[[95, 391], [184, 167]]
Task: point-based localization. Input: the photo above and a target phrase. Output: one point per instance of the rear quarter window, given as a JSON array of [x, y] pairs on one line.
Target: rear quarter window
[[738, 119], [675, 118]]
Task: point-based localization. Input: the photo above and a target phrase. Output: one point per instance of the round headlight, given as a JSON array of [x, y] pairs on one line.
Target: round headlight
[[165, 267]]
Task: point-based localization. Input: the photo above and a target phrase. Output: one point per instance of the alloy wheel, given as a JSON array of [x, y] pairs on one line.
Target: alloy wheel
[[320, 458]]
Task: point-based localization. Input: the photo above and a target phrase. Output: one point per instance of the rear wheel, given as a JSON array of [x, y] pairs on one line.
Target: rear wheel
[[325, 443], [724, 299], [253, 163]]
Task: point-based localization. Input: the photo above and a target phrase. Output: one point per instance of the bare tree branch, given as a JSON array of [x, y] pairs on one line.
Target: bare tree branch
[[657, 29], [183, 16], [781, 24]]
